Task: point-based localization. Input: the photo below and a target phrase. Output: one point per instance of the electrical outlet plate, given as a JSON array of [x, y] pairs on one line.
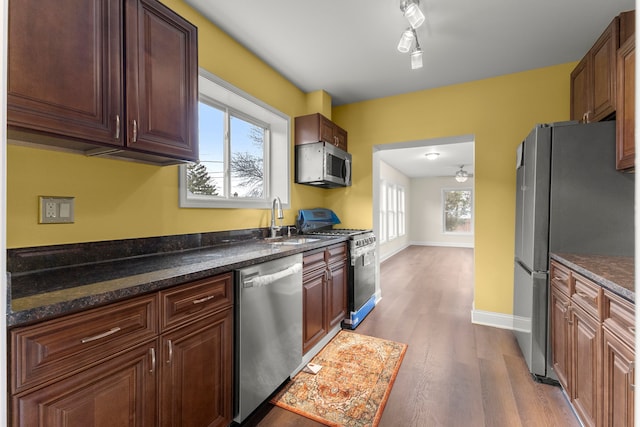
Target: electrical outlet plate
[[56, 210]]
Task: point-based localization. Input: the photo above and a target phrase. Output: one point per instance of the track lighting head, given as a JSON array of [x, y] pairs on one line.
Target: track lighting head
[[411, 11]]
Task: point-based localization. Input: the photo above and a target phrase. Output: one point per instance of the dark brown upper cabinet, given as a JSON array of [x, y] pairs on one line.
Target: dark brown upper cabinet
[[75, 81]]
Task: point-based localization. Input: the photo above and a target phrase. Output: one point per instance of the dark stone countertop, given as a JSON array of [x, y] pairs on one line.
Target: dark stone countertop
[[614, 273], [47, 282]]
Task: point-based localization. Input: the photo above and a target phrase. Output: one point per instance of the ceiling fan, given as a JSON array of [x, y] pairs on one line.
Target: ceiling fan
[[462, 175]]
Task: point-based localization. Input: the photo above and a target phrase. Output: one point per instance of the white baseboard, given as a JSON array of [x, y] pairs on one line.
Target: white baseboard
[[386, 256], [444, 244], [488, 318]]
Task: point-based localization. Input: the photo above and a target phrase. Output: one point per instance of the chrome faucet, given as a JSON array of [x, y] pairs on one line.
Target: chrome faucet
[[275, 228]]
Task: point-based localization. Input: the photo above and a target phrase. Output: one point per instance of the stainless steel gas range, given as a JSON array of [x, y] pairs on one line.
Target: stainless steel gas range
[[362, 261]]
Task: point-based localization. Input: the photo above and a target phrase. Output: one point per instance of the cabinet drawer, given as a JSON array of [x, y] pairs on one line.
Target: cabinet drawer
[[313, 261], [193, 301], [587, 295], [336, 253], [619, 317], [64, 346], [560, 276]]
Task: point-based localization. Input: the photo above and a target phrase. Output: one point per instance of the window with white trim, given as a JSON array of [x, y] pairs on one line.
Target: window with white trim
[[402, 218], [383, 211], [244, 151], [457, 210], [392, 211]]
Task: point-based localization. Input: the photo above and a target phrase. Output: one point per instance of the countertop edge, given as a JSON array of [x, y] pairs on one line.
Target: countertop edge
[[605, 283], [146, 283]]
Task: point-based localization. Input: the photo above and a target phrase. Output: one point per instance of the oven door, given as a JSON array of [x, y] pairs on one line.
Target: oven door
[[363, 277]]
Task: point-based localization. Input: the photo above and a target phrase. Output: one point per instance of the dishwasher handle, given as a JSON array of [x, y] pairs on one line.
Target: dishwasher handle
[[267, 279]]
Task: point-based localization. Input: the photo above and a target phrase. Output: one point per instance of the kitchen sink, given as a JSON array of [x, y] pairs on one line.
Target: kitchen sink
[[293, 241]]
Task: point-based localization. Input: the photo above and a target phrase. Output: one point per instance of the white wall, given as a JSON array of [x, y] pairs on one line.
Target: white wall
[[426, 218], [393, 176]]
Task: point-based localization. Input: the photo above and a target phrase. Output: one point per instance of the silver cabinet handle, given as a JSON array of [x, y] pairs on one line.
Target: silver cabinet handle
[[205, 299], [152, 352], [135, 130], [170, 359], [117, 126], [632, 368], [582, 295], [99, 336], [632, 329], [568, 316]]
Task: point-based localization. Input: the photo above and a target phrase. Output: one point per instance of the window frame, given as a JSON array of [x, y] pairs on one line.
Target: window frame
[[444, 212], [277, 156]]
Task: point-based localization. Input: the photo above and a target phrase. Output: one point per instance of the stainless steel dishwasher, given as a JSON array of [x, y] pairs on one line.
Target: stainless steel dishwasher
[[268, 330]]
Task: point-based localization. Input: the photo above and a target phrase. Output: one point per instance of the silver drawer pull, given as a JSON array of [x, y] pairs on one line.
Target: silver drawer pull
[[117, 126], [152, 352], [582, 295], [205, 299], [102, 335]]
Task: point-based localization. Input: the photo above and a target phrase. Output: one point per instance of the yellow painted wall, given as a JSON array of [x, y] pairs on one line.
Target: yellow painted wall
[[499, 112], [117, 199]]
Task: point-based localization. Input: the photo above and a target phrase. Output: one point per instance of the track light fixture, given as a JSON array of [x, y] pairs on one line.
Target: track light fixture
[[406, 40], [411, 11], [416, 56], [409, 37]]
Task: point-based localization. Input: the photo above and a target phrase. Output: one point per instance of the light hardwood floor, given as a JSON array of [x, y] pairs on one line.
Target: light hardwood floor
[[454, 373]]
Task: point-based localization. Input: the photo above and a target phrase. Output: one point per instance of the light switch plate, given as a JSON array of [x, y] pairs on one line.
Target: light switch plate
[[56, 210]]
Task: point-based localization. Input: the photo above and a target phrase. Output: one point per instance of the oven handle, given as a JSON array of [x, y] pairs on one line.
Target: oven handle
[[267, 279], [362, 252]]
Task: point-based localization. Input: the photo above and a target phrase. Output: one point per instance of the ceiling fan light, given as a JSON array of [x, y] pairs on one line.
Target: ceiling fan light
[[461, 175], [416, 59], [414, 15], [406, 40]]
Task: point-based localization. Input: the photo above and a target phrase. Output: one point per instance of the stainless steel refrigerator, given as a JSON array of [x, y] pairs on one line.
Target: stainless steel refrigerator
[[570, 198]]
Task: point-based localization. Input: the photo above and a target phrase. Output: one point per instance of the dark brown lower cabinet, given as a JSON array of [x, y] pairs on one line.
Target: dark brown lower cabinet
[[618, 361], [586, 391], [592, 347], [164, 359], [195, 373], [560, 335], [324, 293], [117, 392]]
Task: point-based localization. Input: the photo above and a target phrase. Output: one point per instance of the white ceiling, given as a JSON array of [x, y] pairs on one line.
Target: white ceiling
[[348, 47], [410, 159]]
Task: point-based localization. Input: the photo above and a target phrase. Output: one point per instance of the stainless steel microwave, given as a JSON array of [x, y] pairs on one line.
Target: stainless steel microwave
[[322, 165]]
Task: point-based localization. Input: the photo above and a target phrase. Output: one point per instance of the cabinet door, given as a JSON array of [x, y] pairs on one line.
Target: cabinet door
[[120, 392], [581, 93], [603, 62], [341, 138], [560, 349], [314, 320], [327, 130], [625, 115], [585, 391], [162, 81], [64, 71], [196, 368], [618, 361], [337, 290]]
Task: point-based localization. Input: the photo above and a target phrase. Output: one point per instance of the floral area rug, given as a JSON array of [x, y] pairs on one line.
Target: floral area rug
[[353, 384]]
